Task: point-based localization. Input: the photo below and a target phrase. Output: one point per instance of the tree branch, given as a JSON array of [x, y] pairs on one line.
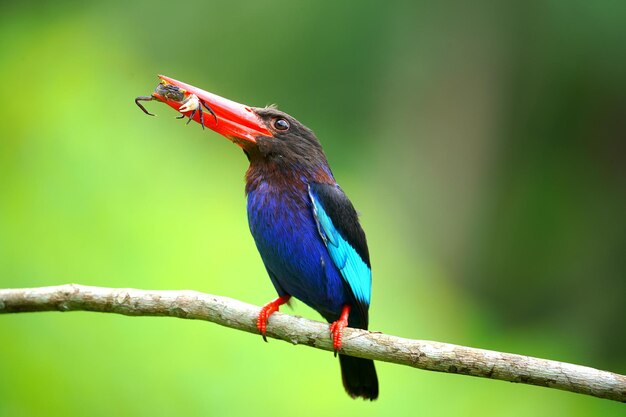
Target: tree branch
[[432, 356]]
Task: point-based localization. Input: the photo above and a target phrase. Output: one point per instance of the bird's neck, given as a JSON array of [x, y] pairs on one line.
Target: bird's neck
[[269, 176]]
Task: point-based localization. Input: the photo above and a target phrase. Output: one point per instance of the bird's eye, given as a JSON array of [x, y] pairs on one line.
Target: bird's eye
[[281, 124]]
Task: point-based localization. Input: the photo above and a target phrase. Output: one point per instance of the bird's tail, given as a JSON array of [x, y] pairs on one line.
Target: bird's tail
[[359, 377]]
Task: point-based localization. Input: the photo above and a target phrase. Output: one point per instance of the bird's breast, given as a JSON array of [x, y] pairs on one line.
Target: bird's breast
[[285, 232], [279, 216]]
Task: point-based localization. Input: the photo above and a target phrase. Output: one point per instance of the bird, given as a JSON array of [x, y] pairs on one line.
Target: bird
[[304, 226]]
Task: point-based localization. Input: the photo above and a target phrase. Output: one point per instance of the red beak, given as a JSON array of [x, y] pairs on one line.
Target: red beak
[[235, 121]]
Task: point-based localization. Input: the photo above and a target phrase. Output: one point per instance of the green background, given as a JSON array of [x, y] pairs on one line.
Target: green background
[[483, 144]]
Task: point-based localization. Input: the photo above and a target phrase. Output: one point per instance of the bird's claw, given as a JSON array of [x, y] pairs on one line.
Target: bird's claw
[[266, 311], [264, 315], [336, 328], [336, 333]]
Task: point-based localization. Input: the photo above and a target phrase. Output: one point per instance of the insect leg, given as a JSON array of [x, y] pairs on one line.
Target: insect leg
[[201, 116], [144, 98], [193, 113], [210, 110]]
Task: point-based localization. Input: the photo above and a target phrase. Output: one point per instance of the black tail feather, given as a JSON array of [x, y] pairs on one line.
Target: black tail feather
[[359, 377]]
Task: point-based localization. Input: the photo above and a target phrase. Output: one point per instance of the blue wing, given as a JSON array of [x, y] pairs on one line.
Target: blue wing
[[339, 227]]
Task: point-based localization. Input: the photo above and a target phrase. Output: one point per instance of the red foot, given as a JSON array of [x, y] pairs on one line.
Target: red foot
[[337, 327], [266, 312]]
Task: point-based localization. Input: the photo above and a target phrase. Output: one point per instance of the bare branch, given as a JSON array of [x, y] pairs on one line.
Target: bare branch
[[432, 356]]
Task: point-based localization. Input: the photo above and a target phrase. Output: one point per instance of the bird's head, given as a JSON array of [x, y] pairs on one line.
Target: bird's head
[[266, 134]]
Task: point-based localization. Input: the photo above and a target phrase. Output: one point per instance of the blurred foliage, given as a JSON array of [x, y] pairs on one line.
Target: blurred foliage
[[483, 143]]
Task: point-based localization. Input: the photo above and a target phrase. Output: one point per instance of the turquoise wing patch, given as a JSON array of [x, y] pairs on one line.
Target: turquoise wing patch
[[353, 269]]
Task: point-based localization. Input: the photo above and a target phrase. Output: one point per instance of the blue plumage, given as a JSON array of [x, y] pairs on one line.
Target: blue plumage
[[298, 262]]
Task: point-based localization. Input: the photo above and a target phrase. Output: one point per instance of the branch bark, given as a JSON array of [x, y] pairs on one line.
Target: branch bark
[[432, 356]]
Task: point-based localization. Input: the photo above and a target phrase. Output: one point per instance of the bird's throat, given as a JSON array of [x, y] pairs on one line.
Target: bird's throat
[[268, 175]]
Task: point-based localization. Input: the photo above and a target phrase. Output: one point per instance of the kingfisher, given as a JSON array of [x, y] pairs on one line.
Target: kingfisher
[[304, 226]]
